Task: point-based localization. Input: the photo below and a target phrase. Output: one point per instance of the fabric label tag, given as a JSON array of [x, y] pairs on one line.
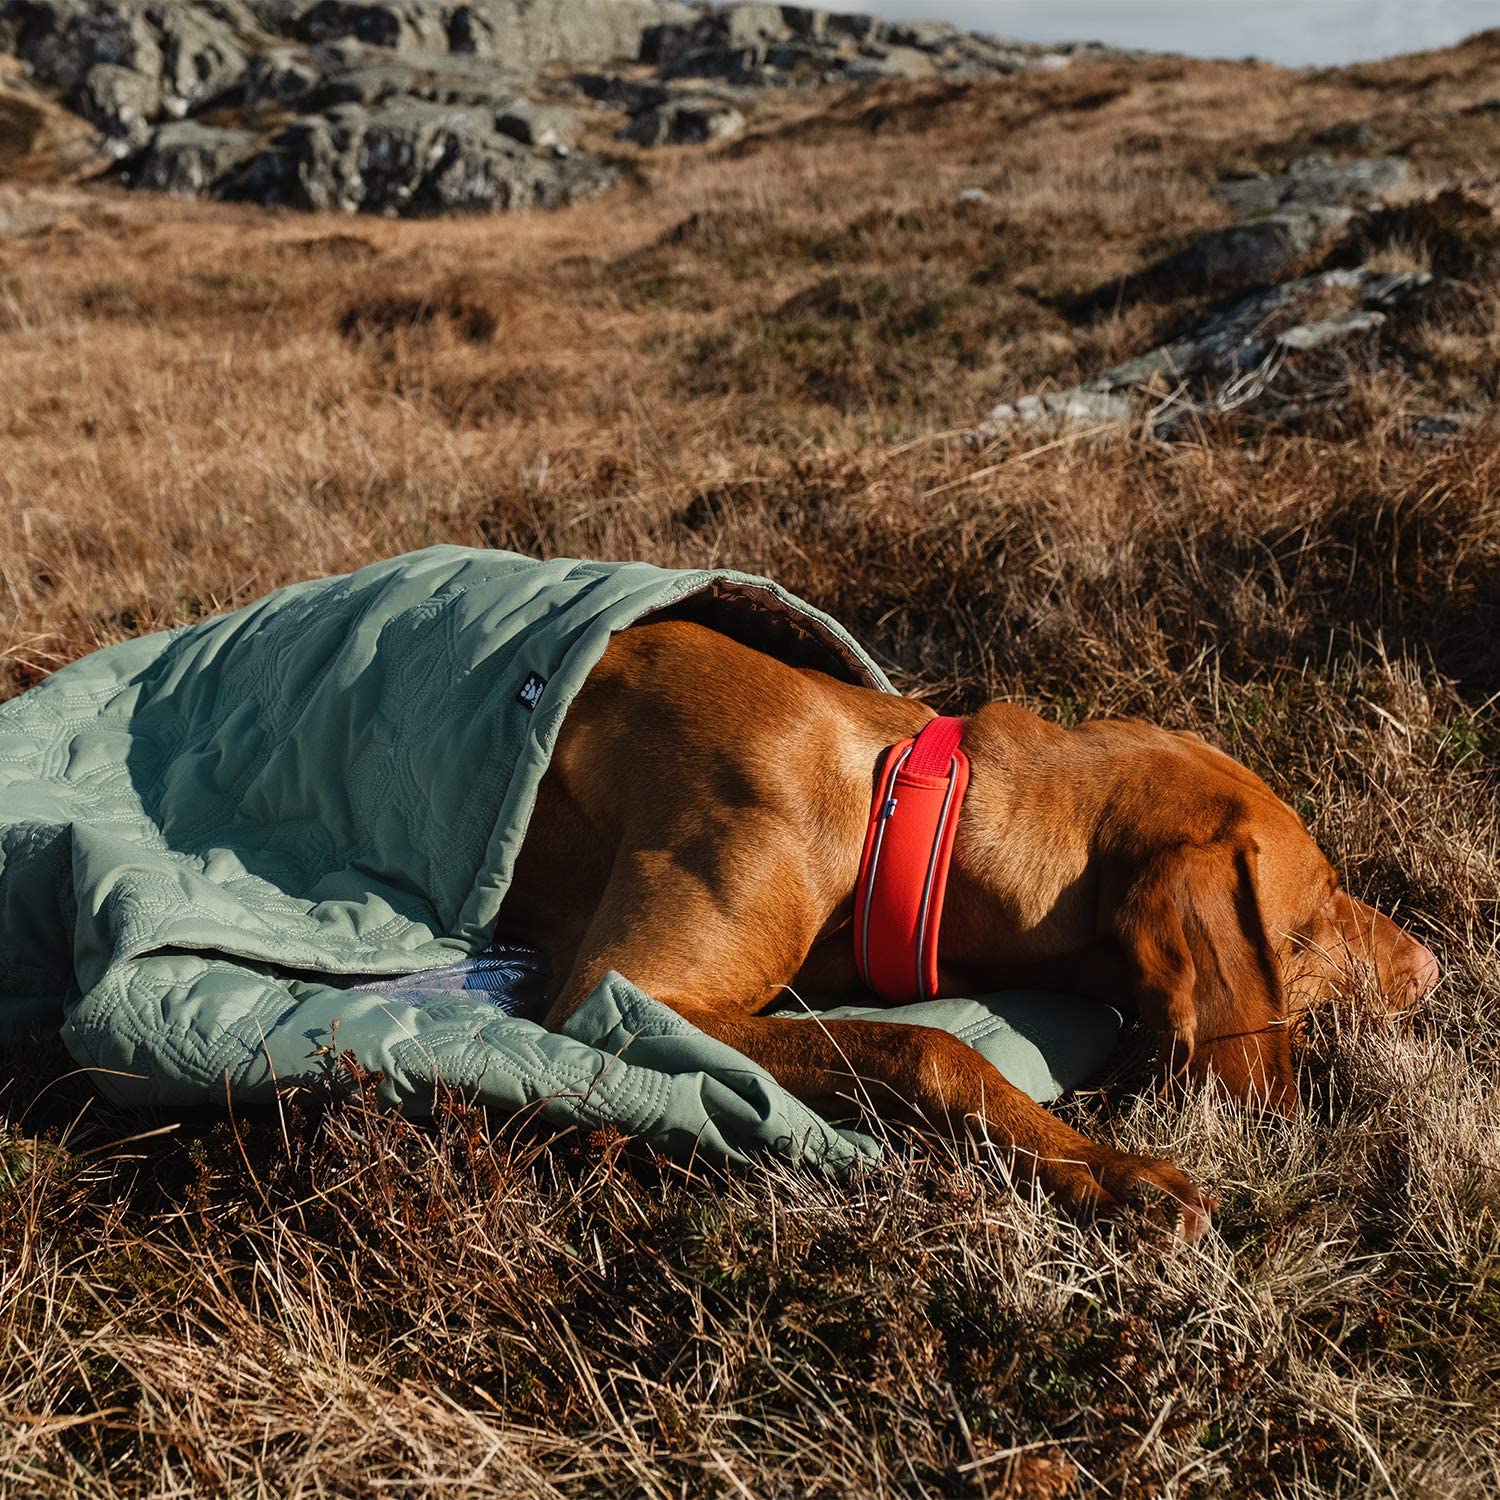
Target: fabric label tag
[[531, 691]]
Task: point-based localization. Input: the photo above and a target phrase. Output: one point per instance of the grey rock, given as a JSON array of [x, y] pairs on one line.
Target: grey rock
[[377, 23], [1243, 337], [686, 120], [1324, 331], [1266, 248], [280, 16], [204, 50], [1228, 361], [522, 34], [280, 75], [358, 75], [412, 158], [541, 126], [122, 102], [747, 25], [419, 106], [629, 94], [1071, 408], [322, 79], [1316, 180], [187, 158], [528, 33], [888, 62], [61, 41], [927, 36], [774, 45], [181, 56]]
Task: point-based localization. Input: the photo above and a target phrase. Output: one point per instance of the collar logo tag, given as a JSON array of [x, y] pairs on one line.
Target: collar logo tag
[[531, 691]]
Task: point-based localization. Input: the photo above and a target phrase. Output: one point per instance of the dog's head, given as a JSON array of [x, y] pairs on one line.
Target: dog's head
[[1228, 920], [1234, 922]]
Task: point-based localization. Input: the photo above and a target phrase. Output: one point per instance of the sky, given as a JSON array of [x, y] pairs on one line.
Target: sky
[[1295, 32]]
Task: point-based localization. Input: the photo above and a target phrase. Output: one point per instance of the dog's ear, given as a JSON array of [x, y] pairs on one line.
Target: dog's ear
[[1205, 968]]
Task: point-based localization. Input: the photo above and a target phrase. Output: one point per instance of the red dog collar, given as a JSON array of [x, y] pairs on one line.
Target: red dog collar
[[903, 873]]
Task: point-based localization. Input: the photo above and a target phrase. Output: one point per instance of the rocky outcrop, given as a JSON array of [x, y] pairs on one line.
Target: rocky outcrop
[[412, 158], [1078, 407], [1284, 218], [1229, 361], [687, 120], [124, 64], [740, 51], [398, 111], [190, 159], [762, 46], [1264, 248], [409, 158], [1315, 180], [520, 33], [431, 106], [1273, 320]]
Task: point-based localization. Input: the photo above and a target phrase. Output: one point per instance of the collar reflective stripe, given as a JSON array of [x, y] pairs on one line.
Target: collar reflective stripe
[[903, 872]]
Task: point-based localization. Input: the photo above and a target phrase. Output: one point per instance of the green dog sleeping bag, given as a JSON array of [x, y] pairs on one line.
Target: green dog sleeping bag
[[219, 844]]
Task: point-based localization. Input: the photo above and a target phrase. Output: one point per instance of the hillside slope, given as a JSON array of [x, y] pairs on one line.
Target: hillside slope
[[785, 350]]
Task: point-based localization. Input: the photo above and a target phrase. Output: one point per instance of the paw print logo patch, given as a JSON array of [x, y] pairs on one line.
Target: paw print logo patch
[[531, 691]]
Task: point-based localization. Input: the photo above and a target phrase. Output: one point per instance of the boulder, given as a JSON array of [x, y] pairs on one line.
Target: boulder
[[1305, 336], [1246, 334], [969, 52], [887, 62], [412, 158], [543, 127], [411, 106], [122, 102], [187, 158], [358, 75], [281, 75], [685, 120], [765, 46], [1061, 409], [280, 16], [1316, 180], [205, 50], [522, 34], [323, 78], [630, 94], [1228, 360], [412, 27], [125, 63], [528, 33], [1263, 249], [62, 41]]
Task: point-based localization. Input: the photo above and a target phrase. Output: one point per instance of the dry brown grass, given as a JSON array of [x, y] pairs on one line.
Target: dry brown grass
[[754, 358]]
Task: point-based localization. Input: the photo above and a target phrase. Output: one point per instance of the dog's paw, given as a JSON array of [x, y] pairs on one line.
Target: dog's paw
[[1110, 1182]]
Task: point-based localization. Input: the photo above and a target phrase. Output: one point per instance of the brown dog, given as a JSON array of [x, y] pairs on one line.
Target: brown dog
[[700, 829]]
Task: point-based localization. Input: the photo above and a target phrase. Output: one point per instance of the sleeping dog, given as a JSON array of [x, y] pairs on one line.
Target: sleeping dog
[[720, 826]]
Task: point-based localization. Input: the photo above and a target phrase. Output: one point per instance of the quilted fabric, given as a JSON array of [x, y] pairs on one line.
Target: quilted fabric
[[212, 838]]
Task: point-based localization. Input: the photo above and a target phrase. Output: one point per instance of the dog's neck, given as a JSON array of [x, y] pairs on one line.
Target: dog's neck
[[1017, 884]]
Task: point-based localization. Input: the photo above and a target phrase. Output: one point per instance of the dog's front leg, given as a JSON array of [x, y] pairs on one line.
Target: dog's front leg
[[920, 1075], [727, 937], [717, 963]]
